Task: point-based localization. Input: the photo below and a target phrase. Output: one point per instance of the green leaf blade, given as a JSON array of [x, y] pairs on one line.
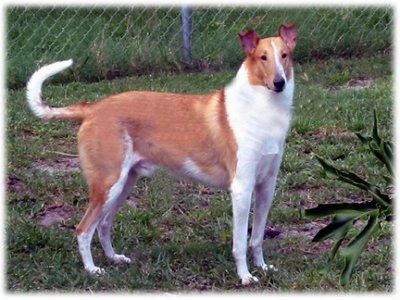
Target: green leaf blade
[[353, 251], [337, 229], [355, 180], [342, 209]]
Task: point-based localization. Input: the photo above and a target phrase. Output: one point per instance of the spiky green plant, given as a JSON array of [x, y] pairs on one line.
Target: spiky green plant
[[376, 210]]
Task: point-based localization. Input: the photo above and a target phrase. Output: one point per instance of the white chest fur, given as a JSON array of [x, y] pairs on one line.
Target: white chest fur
[[259, 118]]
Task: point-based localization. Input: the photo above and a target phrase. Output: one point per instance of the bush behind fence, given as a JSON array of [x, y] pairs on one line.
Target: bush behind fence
[[112, 42]]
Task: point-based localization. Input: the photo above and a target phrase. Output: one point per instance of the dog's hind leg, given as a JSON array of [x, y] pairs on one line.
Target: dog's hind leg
[[107, 165], [105, 201], [87, 226], [104, 227]]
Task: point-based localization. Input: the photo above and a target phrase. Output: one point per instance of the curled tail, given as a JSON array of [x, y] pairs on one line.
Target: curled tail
[[35, 99]]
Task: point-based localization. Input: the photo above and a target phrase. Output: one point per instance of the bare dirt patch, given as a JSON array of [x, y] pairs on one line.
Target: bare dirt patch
[[54, 214], [360, 83], [307, 230], [15, 184], [67, 164], [356, 84], [324, 133]]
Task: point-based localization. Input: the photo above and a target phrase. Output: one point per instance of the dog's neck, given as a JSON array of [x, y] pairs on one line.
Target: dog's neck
[[241, 85], [258, 116]]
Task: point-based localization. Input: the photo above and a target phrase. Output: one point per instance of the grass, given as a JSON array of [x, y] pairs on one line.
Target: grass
[[179, 233]]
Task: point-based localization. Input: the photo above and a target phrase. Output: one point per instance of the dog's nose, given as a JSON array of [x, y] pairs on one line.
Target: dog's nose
[[279, 83]]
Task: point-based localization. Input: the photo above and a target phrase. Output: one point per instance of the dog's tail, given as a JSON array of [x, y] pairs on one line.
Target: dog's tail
[[35, 99]]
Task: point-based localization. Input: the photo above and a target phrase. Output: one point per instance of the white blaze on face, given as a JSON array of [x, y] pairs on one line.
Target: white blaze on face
[[279, 67]]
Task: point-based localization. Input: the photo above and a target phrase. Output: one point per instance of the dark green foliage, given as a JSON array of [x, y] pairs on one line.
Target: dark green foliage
[[345, 215]]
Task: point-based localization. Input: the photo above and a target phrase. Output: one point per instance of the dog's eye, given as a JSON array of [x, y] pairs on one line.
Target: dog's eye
[[284, 55], [263, 57]]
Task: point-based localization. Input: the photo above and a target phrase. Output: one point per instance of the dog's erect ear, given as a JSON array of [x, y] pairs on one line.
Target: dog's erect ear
[[249, 40], [288, 33]]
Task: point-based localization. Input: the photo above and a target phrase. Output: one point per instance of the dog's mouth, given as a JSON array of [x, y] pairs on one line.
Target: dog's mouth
[[275, 89], [278, 90]]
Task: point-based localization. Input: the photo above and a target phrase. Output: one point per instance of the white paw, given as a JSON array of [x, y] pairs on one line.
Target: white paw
[[119, 258], [96, 271], [248, 279], [269, 268]]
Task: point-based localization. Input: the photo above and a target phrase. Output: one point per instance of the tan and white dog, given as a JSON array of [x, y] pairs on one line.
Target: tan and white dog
[[232, 139]]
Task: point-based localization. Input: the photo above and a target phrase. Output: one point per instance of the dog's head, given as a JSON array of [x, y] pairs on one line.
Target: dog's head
[[269, 61]]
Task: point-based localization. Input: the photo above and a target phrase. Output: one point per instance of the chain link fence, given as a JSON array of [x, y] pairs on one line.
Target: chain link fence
[[110, 42]]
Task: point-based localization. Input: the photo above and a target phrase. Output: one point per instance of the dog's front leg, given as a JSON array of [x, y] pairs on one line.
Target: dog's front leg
[[264, 193], [263, 200], [241, 193]]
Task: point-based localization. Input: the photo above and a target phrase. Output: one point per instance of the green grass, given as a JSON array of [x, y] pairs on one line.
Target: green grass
[[179, 234]]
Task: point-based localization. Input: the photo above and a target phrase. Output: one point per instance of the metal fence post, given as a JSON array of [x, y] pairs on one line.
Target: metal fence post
[[187, 35]]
